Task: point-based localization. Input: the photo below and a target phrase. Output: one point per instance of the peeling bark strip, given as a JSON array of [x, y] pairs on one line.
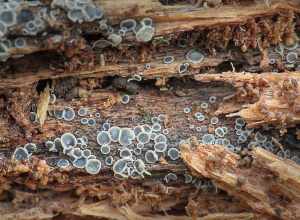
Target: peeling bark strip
[[270, 185], [265, 98]]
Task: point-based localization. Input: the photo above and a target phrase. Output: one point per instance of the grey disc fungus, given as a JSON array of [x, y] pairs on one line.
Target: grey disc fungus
[[50, 146], [114, 133], [128, 24], [240, 121], [188, 178], [52, 99], [194, 56], [68, 140], [170, 177], [151, 156], [93, 166], [147, 128], [109, 160], [120, 166], [152, 136], [183, 67], [219, 132], [8, 17], [115, 39], [63, 163], [225, 130], [154, 120], [20, 42], [165, 131], [173, 153], [219, 141], [160, 147], [76, 152], [168, 59], [31, 148], [20, 154], [125, 99], [126, 136], [145, 34], [68, 114], [58, 114], [160, 138], [138, 129], [97, 115], [140, 168], [292, 57], [105, 149], [208, 139], [156, 127], [140, 145], [260, 138], [84, 121], [187, 110], [214, 120], [143, 137], [103, 138], [33, 117], [201, 117], [212, 99], [58, 144], [106, 126], [125, 153], [82, 111], [146, 21], [204, 105], [86, 153], [137, 151], [92, 122], [80, 162]]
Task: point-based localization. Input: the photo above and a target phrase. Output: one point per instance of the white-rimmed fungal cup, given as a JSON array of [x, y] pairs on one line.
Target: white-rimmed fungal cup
[[173, 153], [103, 138], [93, 166], [194, 56], [68, 140], [20, 154], [68, 114]]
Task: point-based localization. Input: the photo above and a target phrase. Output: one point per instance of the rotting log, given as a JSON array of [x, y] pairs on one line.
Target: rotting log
[[270, 185], [233, 32]]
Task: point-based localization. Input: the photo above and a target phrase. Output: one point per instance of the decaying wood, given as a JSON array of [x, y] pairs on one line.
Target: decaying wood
[[258, 185], [269, 186], [266, 98]]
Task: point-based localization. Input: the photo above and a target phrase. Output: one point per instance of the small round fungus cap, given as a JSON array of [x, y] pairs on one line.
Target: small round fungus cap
[[208, 139], [20, 154], [168, 59], [103, 138], [137, 130], [160, 138], [8, 17], [68, 114], [173, 153], [114, 133], [125, 99], [109, 160], [156, 127], [126, 136], [194, 56], [170, 177], [80, 162], [125, 153], [31, 148], [68, 140], [128, 24], [292, 57], [105, 149], [86, 153], [120, 166], [63, 163], [139, 166], [219, 132], [143, 137], [151, 156], [214, 120], [92, 122], [20, 42], [146, 21], [145, 34], [82, 111], [212, 99], [93, 166], [183, 67], [92, 13], [160, 147]]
